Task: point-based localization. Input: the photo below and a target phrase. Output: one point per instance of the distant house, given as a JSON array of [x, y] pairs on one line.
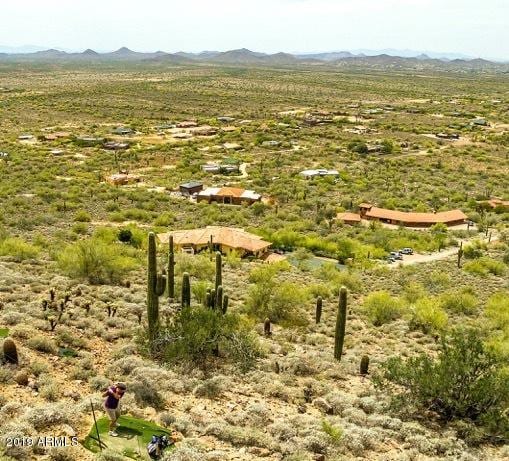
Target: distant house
[[113, 145], [123, 131], [229, 196], [349, 218], [57, 152], [225, 119], [223, 239], [190, 188], [499, 203], [232, 146], [410, 219], [308, 174], [224, 168], [271, 143], [448, 135], [187, 124], [122, 179], [25, 137], [480, 121], [89, 141], [4, 155]]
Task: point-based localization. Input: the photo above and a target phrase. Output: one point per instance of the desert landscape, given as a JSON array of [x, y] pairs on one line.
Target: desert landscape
[[282, 258]]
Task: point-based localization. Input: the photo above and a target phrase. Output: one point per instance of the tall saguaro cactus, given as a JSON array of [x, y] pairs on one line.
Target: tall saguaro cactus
[[155, 287], [339, 336], [318, 313], [171, 270], [186, 290], [219, 270]]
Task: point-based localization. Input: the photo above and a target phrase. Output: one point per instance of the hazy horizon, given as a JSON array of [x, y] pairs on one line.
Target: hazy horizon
[[462, 27]]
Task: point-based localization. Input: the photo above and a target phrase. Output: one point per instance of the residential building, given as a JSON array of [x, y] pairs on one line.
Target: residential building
[[308, 174], [223, 239], [349, 218], [410, 219], [190, 188], [229, 196]]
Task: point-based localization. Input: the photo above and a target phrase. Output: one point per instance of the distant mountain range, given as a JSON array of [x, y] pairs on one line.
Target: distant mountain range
[[244, 56]]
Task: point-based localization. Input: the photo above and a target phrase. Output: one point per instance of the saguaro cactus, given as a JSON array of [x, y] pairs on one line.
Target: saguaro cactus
[[171, 269], [219, 298], [318, 313], [339, 336], [460, 254], [155, 287], [10, 351], [219, 270], [364, 365], [267, 330], [225, 304], [186, 290]]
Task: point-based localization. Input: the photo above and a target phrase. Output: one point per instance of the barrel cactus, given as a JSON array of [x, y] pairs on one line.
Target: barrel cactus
[[10, 351], [267, 329]]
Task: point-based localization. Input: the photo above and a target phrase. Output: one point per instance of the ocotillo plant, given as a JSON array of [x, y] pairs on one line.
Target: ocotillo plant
[[318, 313], [10, 351], [155, 287], [171, 270], [460, 254], [186, 290], [339, 336], [219, 270]]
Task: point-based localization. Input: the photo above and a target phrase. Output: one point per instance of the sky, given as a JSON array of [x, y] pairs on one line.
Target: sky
[[478, 28]]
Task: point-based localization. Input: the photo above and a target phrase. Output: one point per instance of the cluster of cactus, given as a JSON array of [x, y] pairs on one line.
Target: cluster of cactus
[[339, 336], [10, 351], [53, 305], [216, 298], [155, 288]]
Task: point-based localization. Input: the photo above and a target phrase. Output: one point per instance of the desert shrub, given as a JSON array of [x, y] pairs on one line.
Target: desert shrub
[[18, 249], [210, 388], [164, 219], [474, 250], [82, 216], [197, 333], [497, 310], [414, 291], [44, 416], [437, 279], [459, 301], [96, 261], [42, 344], [428, 316], [335, 433], [146, 394], [467, 380], [484, 266], [381, 307], [280, 301]]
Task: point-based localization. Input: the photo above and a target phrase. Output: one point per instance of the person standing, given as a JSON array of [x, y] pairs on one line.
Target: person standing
[[112, 405]]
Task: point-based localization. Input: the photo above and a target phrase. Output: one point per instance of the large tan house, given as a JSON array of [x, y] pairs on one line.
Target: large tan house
[[410, 219], [223, 239]]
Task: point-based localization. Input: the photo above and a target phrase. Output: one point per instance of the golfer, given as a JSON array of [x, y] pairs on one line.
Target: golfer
[[112, 405]]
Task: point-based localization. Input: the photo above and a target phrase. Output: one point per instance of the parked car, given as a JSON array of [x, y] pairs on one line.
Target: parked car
[[390, 259], [407, 251], [396, 255]]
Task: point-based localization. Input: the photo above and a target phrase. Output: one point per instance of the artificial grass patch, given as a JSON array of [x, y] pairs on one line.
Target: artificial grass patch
[[4, 332], [133, 436]]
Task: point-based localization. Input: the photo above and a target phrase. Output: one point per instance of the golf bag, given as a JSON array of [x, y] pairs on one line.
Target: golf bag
[[157, 445]]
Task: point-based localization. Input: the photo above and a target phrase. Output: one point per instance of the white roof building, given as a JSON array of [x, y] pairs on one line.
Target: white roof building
[[319, 172]]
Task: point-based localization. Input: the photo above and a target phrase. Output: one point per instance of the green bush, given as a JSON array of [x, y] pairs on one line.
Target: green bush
[[196, 334], [497, 310], [96, 261], [381, 307], [82, 216], [428, 316], [270, 297], [467, 380], [459, 302], [485, 266], [18, 249]]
